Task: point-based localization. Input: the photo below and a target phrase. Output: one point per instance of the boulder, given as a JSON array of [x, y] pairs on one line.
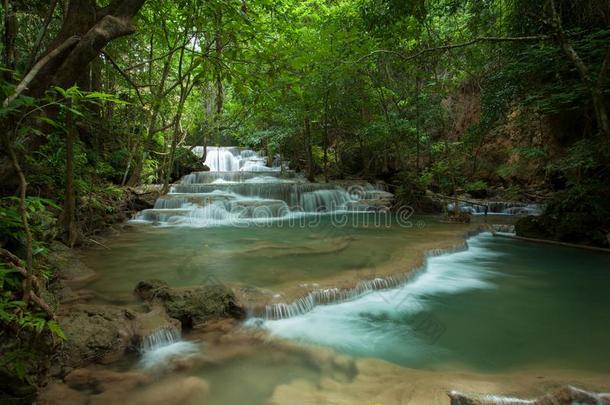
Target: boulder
[[103, 333], [570, 227], [140, 198], [95, 333], [532, 227], [564, 396], [192, 305], [67, 264], [151, 322]]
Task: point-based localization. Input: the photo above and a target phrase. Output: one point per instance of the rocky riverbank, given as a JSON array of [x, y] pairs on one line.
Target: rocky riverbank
[[273, 371], [101, 334]]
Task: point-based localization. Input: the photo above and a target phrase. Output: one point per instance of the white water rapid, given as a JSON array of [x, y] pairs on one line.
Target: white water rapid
[[240, 189], [162, 345]]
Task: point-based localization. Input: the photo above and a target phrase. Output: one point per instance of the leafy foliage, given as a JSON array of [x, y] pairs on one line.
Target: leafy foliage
[[427, 95]]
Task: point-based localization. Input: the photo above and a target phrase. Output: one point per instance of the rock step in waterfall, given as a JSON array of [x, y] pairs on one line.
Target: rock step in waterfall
[[499, 207], [240, 187], [159, 338], [162, 345]]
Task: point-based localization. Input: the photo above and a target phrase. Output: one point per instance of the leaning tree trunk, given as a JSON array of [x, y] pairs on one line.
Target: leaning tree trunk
[[94, 27], [85, 31]]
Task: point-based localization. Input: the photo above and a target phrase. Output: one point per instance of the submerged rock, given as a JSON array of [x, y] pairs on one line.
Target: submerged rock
[[67, 265], [192, 305], [91, 386], [100, 380], [564, 396], [173, 391]]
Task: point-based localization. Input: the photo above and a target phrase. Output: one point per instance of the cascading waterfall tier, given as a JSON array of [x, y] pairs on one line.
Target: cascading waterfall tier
[[499, 207], [232, 159], [327, 296], [239, 188], [160, 338], [162, 345]]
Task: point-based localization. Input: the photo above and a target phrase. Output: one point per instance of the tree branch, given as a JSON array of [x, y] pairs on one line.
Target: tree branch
[[42, 34], [146, 62], [125, 76], [567, 48], [603, 72], [165, 127], [454, 46], [33, 293], [23, 85], [89, 47]]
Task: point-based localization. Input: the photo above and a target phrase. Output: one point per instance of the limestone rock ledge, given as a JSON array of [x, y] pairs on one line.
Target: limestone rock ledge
[[104, 333], [192, 306], [565, 396]]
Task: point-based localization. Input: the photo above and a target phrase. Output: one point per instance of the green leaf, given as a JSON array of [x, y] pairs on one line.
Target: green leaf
[[56, 330]]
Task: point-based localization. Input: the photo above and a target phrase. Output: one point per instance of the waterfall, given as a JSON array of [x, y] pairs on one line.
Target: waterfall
[[499, 208], [233, 159], [240, 188], [160, 338], [162, 345], [235, 177], [327, 296], [221, 159]]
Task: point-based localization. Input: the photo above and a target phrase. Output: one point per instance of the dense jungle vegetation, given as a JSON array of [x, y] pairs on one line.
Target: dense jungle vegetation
[[494, 98]]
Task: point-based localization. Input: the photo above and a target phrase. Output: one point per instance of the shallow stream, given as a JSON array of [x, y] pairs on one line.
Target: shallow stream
[[502, 316]]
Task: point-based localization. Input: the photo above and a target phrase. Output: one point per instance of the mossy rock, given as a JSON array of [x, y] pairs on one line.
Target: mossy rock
[[571, 227], [532, 227], [95, 333], [192, 305]]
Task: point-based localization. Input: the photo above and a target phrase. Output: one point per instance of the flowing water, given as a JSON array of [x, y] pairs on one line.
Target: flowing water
[[269, 256], [264, 229], [240, 190], [500, 304], [504, 316], [162, 345], [497, 317]]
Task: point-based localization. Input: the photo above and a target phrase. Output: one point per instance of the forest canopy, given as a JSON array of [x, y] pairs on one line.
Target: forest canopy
[[487, 97], [328, 85]]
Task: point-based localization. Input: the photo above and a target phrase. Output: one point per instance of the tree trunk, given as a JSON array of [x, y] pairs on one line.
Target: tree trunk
[[172, 152], [596, 87], [10, 33], [23, 184], [308, 150], [69, 209], [185, 89], [134, 179], [326, 140], [95, 27], [417, 152], [85, 31], [219, 101]]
